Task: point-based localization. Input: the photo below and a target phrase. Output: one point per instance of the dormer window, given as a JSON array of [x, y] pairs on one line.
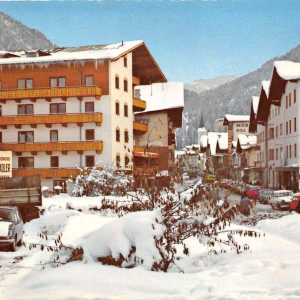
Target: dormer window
[[25, 83]]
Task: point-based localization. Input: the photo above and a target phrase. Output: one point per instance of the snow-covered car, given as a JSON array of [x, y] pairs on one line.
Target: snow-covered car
[[281, 199], [11, 227]]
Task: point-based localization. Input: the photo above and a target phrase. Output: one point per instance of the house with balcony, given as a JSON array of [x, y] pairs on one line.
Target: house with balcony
[[73, 107], [154, 127]]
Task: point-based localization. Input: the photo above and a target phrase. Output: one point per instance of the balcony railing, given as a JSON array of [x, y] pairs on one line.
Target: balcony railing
[[151, 171], [140, 127], [46, 173], [59, 92], [53, 146], [138, 105], [52, 119]]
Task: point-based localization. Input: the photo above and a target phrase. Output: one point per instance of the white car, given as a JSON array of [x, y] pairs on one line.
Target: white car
[[11, 227], [281, 199]]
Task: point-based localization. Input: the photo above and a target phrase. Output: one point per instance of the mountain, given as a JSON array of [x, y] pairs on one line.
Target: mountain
[[233, 97], [16, 36], [202, 85]]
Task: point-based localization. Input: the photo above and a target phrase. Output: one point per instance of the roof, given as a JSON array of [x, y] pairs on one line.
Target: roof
[[255, 102], [245, 142], [288, 70], [203, 141], [213, 138], [162, 96], [96, 52], [235, 118], [266, 86]]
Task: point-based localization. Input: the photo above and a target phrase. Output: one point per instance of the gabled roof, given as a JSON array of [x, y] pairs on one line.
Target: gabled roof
[[213, 138], [253, 114], [263, 104], [245, 142], [235, 118], [203, 142]]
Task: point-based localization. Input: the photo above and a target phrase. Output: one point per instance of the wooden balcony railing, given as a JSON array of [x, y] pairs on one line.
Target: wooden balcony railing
[[138, 105], [52, 119], [152, 170], [53, 146], [135, 80], [46, 173], [140, 127], [59, 92]]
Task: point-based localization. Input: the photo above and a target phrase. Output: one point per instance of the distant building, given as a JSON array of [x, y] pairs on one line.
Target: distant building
[[219, 126]]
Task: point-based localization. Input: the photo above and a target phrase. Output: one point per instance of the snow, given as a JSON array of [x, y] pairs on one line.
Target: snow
[[247, 139], [255, 102], [269, 270], [266, 87], [106, 52], [235, 118], [214, 137], [287, 70], [203, 141], [161, 96]]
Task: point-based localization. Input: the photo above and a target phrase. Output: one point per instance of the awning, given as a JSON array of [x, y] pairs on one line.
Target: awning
[[287, 169], [145, 154]]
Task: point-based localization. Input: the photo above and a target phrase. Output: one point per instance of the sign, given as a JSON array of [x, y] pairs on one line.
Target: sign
[[178, 181], [240, 128], [5, 164]]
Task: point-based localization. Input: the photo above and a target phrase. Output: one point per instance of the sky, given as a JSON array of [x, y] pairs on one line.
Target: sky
[[189, 40]]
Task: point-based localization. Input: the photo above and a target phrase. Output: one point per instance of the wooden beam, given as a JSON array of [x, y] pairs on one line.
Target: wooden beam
[[49, 152], [33, 125], [34, 153], [80, 152], [64, 152], [18, 126], [64, 98], [64, 124], [18, 100], [79, 124], [33, 100], [80, 98], [3, 101], [3, 126], [48, 125], [48, 99]]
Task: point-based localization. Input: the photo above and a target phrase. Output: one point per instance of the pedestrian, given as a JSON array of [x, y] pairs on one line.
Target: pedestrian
[[245, 202], [181, 179]]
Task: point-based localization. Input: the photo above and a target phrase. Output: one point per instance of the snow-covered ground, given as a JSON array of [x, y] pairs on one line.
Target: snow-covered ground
[[269, 270]]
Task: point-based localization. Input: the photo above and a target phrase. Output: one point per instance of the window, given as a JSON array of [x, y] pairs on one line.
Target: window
[[271, 133], [25, 109], [60, 183], [54, 161], [276, 151], [0, 137], [295, 97], [125, 61], [89, 80], [295, 150], [25, 136], [275, 111], [25, 83], [290, 150], [90, 161], [290, 99], [286, 152], [278, 110], [276, 131], [54, 135], [290, 126], [118, 135], [271, 154], [26, 162], [286, 128], [57, 108], [90, 134], [0, 84], [281, 129], [0, 110], [126, 136], [170, 154], [118, 161], [89, 106], [58, 82], [125, 110], [117, 108], [117, 82], [125, 85], [295, 124], [126, 161], [286, 102]]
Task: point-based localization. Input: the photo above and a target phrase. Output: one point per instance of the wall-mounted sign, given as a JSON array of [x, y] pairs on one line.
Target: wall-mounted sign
[[240, 128], [5, 164]]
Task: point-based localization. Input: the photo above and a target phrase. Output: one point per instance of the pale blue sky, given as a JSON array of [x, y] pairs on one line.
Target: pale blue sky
[[189, 39]]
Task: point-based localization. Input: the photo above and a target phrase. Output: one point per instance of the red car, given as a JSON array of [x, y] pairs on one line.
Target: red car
[[257, 193], [294, 202], [251, 190]]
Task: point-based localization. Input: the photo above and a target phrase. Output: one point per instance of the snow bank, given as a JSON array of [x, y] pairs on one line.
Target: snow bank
[[118, 237]]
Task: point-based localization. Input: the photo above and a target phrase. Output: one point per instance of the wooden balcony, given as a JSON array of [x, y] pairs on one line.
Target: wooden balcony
[[135, 80], [139, 128], [53, 146], [48, 93], [46, 173], [138, 105], [150, 171], [52, 119]]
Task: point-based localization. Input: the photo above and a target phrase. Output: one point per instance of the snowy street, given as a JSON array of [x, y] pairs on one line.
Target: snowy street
[[272, 262]]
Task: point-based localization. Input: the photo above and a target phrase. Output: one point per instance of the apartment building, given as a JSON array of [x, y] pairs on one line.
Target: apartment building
[[72, 107]]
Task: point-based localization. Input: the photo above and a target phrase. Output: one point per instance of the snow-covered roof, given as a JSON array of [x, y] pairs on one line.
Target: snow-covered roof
[[213, 138], [255, 102], [235, 118], [223, 141], [266, 86], [287, 70], [179, 153], [203, 141], [161, 96], [234, 144], [99, 52], [201, 129], [247, 140], [195, 146]]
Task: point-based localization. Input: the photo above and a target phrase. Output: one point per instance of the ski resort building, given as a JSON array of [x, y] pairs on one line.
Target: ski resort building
[[74, 107]]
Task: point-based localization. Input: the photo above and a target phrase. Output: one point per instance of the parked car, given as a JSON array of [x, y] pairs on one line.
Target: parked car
[[193, 172], [225, 182], [209, 178], [257, 193], [251, 190], [281, 199], [265, 195], [201, 174], [11, 227], [295, 201]]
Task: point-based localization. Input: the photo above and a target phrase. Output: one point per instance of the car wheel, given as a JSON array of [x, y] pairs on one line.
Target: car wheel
[[13, 246]]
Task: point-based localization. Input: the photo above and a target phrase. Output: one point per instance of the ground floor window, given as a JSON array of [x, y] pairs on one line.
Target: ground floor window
[[60, 183], [26, 162], [90, 161]]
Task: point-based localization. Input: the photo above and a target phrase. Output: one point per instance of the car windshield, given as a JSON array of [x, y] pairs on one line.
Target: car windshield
[[284, 194], [6, 214], [266, 193]]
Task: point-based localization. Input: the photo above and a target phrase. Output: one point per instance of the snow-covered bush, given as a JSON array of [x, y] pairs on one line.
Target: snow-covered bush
[[97, 182]]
